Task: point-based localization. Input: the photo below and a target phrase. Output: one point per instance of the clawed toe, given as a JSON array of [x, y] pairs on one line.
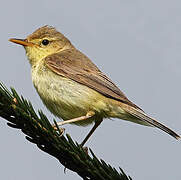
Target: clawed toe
[[60, 130]]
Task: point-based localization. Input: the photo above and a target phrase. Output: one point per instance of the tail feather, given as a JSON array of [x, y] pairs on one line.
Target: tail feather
[[143, 117]]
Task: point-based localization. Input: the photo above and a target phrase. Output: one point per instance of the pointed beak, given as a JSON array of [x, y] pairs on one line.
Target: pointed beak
[[23, 42]]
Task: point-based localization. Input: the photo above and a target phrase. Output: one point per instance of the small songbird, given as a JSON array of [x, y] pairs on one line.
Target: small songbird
[[73, 88]]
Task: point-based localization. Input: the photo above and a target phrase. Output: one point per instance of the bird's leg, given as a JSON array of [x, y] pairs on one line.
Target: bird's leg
[[97, 123], [88, 115]]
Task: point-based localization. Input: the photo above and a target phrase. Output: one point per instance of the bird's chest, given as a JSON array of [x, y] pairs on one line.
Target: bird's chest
[[62, 96]]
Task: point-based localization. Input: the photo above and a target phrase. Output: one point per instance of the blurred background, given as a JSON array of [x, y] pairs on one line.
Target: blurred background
[[137, 44]]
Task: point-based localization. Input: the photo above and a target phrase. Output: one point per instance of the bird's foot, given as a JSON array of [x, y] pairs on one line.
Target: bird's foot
[[60, 130]]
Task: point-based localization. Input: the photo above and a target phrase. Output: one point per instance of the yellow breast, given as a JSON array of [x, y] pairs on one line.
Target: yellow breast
[[66, 98]]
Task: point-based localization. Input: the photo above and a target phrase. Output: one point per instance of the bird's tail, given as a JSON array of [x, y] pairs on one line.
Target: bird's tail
[[150, 121]]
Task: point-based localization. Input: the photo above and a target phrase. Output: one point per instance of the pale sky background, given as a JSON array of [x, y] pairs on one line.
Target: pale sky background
[[137, 43]]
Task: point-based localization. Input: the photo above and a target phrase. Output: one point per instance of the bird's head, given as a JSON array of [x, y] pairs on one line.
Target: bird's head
[[43, 42]]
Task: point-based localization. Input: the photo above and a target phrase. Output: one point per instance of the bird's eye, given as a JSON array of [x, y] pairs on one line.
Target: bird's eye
[[45, 42]]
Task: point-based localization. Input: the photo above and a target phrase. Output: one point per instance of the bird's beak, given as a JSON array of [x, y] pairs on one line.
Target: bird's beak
[[23, 42]]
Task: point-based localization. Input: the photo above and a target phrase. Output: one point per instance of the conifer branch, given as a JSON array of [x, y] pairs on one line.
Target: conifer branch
[[37, 129]]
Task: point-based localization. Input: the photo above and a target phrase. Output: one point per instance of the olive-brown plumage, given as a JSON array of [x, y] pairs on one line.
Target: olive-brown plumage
[[73, 88]]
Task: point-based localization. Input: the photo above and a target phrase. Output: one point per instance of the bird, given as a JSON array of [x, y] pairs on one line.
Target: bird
[[73, 88]]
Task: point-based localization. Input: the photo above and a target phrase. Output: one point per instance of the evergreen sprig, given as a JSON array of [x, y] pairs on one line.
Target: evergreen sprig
[[20, 114]]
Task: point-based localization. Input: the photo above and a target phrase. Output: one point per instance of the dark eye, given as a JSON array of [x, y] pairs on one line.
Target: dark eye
[[45, 42]]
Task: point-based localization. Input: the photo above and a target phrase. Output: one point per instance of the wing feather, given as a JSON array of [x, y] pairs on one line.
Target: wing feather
[[76, 66]]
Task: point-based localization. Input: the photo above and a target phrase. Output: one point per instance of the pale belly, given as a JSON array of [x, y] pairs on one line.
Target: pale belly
[[68, 99]]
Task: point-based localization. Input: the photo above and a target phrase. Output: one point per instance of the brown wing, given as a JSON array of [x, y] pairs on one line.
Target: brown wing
[[76, 66]]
